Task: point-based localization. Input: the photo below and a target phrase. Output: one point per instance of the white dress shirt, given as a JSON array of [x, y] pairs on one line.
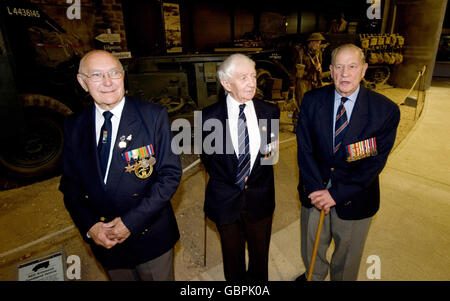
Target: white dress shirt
[[115, 120], [252, 127]]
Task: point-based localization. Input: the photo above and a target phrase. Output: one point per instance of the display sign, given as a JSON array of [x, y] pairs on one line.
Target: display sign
[[122, 55], [47, 268], [108, 38]]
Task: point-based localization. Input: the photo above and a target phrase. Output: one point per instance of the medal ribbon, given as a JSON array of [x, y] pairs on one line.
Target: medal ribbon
[[138, 153], [361, 149]]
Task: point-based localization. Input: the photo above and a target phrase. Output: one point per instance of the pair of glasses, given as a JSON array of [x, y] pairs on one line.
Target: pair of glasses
[[98, 76]]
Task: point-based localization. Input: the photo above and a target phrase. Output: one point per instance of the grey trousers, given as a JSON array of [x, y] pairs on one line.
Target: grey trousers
[[158, 269], [349, 239]]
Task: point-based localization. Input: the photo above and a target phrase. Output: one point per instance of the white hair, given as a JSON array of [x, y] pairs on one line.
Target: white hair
[[335, 52], [227, 67]]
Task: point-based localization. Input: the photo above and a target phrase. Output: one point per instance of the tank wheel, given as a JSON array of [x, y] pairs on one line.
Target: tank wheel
[[37, 152]]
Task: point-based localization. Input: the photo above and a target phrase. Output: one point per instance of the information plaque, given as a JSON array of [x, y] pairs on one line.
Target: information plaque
[[50, 267]]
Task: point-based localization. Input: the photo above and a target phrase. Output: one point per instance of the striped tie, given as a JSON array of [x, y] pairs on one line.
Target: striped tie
[[244, 149], [341, 124]]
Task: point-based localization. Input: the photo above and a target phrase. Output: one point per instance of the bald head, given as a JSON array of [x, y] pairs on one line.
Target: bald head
[[92, 55]]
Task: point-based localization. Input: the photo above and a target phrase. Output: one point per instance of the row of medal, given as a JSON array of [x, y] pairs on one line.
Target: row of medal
[[361, 149], [140, 160]]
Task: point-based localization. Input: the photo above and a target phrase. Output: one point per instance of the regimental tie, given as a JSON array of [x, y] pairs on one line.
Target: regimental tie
[[244, 149], [104, 143], [341, 124]]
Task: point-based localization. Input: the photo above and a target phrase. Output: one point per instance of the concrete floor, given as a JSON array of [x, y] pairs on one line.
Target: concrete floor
[[409, 235]]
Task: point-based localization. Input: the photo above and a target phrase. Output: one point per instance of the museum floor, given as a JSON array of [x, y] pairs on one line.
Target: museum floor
[[409, 234]]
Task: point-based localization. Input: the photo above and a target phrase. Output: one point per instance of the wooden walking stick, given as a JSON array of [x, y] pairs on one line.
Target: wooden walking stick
[[316, 246]]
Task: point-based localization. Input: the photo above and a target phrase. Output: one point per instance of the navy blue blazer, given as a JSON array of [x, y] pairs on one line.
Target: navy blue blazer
[[223, 198], [354, 185], [143, 204]]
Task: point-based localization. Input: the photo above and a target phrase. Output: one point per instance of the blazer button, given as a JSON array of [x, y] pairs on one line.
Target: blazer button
[[246, 186], [135, 195], [332, 168], [86, 196]]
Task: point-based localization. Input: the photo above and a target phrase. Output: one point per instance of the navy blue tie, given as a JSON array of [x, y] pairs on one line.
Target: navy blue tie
[[341, 123], [244, 149], [104, 143]]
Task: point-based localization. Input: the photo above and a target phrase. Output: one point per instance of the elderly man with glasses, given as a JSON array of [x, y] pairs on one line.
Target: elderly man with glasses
[[119, 175]]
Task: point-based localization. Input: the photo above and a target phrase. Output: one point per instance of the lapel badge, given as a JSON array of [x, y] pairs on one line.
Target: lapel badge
[[129, 137], [122, 143]]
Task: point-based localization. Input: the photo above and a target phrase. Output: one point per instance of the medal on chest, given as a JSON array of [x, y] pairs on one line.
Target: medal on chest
[[140, 160]]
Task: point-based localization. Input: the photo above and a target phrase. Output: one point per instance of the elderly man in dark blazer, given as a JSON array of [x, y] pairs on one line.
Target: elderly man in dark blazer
[[344, 134], [119, 175], [240, 194]]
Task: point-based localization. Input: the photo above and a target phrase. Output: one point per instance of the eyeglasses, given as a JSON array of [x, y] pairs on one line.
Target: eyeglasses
[[98, 76]]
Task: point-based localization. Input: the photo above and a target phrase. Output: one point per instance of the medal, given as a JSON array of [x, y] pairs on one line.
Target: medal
[[143, 172], [145, 163], [129, 168], [362, 149], [142, 159]]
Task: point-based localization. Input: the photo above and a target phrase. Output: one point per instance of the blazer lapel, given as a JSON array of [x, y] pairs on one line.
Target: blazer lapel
[[228, 150], [89, 144], [130, 124], [325, 118], [264, 131]]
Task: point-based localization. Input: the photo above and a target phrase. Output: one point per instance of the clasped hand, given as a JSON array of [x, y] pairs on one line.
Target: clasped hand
[[322, 200], [109, 234]]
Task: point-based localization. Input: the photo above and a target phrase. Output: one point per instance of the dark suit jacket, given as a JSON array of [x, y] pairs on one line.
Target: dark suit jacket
[[143, 204], [224, 200], [354, 185]]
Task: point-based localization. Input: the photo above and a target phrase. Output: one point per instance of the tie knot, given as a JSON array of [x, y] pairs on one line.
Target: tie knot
[[344, 99], [241, 108], [108, 115]]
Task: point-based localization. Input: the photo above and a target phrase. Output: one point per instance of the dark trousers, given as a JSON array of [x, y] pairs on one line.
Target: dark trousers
[[158, 269], [233, 237]]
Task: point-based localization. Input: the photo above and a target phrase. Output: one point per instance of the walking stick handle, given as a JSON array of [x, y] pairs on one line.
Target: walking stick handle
[[316, 246]]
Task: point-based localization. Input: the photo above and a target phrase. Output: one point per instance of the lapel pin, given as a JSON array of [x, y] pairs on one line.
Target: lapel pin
[[129, 137], [264, 128], [122, 143]]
